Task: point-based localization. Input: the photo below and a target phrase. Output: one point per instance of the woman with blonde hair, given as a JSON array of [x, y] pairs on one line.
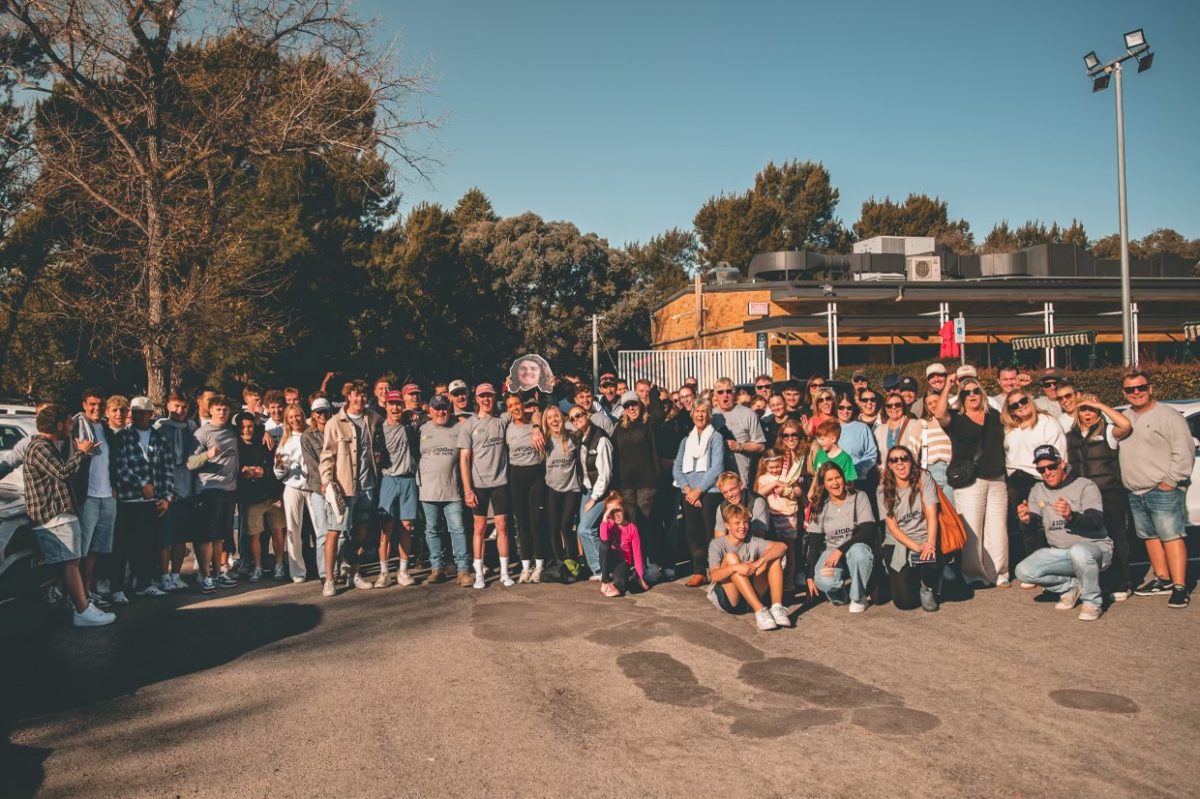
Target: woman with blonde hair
[[289, 468], [1026, 428], [562, 489]]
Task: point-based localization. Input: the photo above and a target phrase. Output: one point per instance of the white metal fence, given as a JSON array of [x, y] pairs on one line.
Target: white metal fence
[[668, 368]]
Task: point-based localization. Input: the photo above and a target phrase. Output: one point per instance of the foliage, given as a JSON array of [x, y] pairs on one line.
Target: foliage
[[918, 215], [1002, 238]]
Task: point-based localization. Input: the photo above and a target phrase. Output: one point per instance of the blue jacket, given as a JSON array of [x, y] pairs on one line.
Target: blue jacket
[[858, 441], [707, 480]]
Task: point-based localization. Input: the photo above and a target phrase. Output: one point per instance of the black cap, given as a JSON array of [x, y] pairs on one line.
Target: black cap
[[439, 403], [890, 382], [1046, 452], [907, 384]]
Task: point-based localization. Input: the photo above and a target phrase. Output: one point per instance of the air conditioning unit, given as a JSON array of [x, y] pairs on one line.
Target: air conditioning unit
[[924, 268]]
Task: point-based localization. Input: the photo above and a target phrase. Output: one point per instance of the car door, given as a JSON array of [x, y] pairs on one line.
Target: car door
[[1193, 493], [10, 434]]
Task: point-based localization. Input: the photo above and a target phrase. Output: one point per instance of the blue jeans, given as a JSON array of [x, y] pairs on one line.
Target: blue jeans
[[589, 532], [439, 516], [316, 511], [1061, 570], [1159, 514], [858, 560]]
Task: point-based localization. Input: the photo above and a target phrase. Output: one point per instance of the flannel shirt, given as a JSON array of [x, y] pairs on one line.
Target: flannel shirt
[[134, 470], [47, 479]]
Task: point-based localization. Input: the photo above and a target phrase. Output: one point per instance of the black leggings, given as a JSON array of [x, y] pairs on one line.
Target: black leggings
[[906, 583], [641, 500], [561, 510], [527, 485], [1116, 509], [699, 523], [1030, 539]]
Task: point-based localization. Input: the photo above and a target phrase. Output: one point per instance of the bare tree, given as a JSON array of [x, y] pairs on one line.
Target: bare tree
[[151, 125]]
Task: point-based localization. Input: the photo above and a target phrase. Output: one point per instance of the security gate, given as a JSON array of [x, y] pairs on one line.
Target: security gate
[[668, 368]]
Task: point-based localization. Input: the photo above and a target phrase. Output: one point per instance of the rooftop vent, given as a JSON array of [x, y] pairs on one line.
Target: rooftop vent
[[725, 273]]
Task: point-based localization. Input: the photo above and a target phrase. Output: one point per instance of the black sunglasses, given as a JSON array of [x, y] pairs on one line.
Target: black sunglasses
[[1068, 395], [575, 417], [763, 385], [971, 392], [1050, 468], [723, 391], [868, 399], [1137, 389], [1021, 403], [899, 459], [893, 404], [845, 407], [789, 435], [1049, 383]]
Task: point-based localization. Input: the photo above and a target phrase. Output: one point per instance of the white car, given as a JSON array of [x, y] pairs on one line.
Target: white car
[[1191, 411], [13, 428]]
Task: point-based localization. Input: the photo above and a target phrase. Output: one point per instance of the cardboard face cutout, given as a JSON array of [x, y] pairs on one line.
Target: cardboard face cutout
[[530, 372]]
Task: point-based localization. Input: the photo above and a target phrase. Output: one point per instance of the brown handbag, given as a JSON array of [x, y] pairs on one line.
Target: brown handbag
[[952, 533]]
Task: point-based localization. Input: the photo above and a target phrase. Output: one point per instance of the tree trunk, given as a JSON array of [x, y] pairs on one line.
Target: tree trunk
[[157, 367]]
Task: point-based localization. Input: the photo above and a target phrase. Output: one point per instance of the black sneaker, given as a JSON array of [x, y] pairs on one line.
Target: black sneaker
[[1179, 597], [1154, 587]]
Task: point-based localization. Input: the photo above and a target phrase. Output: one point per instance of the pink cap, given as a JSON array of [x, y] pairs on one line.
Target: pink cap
[[485, 388], [411, 388]]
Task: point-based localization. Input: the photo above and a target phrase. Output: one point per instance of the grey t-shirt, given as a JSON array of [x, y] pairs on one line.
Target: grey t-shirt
[[745, 426], [483, 437], [910, 518], [760, 514], [1081, 494], [401, 459], [366, 480], [837, 521], [519, 439], [562, 465], [437, 474], [219, 473], [752, 548]]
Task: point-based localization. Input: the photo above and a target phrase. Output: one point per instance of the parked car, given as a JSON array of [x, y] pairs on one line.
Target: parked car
[[21, 570], [13, 428]]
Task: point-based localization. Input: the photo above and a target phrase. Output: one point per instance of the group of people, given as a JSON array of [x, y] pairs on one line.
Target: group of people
[[797, 492]]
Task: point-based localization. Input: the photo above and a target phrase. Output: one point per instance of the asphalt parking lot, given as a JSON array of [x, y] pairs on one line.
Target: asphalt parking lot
[[552, 690]]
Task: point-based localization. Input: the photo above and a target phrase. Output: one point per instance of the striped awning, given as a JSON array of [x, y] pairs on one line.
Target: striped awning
[[1081, 337], [1191, 331]]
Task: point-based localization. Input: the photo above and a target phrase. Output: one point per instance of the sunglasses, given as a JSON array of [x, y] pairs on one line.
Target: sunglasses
[[893, 405], [1021, 403], [899, 459], [973, 392], [1049, 383], [823, 400], [763, 385], [1067, 395], [790, 435], [1050, 468], [723, 391], [575, 417], [868, 399], [632, 405], [321, 413], [1138, 389], [845, 407]]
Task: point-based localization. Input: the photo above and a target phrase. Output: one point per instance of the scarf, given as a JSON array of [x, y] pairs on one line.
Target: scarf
[[695, 451]]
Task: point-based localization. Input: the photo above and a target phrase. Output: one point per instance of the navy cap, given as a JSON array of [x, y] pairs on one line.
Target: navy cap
[[1046, 452], [439, 403], [890, 382], [907, 384]]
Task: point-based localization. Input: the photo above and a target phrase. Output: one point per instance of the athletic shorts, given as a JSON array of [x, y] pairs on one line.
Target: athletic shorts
[[398, 497], [721, 600], [496, 498], [183, 521], [216, 508]]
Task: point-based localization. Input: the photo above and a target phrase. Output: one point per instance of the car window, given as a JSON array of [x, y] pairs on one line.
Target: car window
[[9, 436], [1194, 424]]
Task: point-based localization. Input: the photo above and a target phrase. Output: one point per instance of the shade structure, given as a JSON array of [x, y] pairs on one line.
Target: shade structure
[[1191, 331], [1077, 338]]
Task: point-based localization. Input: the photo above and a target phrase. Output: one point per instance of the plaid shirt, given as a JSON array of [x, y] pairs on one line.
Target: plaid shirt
[[47, 478], [136, 468]]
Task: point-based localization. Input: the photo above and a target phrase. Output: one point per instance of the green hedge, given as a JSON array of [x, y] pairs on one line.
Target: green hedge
[[1171, 381]]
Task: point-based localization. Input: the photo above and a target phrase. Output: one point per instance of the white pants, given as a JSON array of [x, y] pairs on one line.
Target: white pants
[[983, 506], [293, 513]]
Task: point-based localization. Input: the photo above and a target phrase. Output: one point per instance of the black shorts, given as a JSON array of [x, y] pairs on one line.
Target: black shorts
[[737, 609], [496, 497], [216, 511], [185, 521]]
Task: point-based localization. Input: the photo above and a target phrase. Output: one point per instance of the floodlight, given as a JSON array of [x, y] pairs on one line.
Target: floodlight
[[1135, 40], [1145, 61], [1100, 83], [1090, 62]]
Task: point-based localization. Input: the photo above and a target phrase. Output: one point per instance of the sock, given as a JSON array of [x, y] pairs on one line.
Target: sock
[[403, 564], [478, 568], [538, 564], [503, 568], [524, 565]]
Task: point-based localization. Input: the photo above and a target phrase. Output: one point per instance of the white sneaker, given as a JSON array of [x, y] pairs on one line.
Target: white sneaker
[[119, 598], [1067, 599], [256, 575], [279, 575], [1003, 582], [1121, 596], [404, 578], [1089, 612], [857, 607], [479, 581], [535, 576], [93, 616], [208, 585], [174, 582], [327, 589], [505, 580], [385, 579], [780, 615], [360, 583], [152, 590], [103, 586], [297, 579], [764, 620], [595, 578], [524, 578]]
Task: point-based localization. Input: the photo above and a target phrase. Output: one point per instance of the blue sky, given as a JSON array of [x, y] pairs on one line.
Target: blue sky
[[625, 117]]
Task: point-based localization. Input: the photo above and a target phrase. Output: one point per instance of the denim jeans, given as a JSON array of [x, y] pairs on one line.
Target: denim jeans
[[1159, 514], [589, 532], [316, 511], [97, 523], [1061, 570], [438, 517], [858, 560]]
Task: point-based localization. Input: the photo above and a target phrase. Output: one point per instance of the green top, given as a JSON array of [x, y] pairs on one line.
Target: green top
[[842, 459]]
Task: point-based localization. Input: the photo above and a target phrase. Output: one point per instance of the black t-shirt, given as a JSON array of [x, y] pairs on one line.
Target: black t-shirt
[[964, 440]]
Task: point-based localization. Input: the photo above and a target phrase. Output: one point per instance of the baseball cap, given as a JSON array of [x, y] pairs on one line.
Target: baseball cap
[[890, 382], [966, 370], [410, 388], [393, 396], [1046, 452], [457, 386], [629, 397], [1052, 374], [608, 378], [485, 388], [322, 404], [439, 403], [141, 404], [859, 374], [907, 384], [934, 369]]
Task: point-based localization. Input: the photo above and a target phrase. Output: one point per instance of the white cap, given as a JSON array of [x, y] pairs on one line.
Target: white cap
[[141, 404], [966, 370], [629, 396], [935, 369], [321, 404]]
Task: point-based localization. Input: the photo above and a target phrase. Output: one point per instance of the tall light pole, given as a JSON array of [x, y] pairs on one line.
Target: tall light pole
[[1135, 47]]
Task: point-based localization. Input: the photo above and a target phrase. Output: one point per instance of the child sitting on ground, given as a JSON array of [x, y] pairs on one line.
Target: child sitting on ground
[[771, 484], [826, 449], [621, 563]]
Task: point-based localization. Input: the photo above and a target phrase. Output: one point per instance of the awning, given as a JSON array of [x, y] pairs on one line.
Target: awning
[[1191, 331], [1081, 337]]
